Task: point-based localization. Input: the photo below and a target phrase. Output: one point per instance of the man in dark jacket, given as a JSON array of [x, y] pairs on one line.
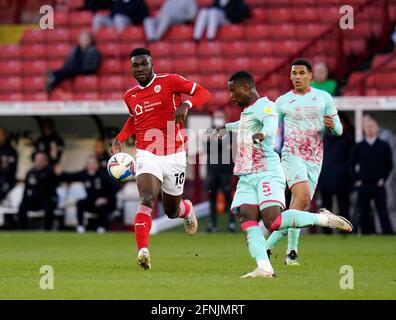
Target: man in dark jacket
[[50, 142], [123, 13], [84, 59], [222, 12], [8, 164], [220, 167], [335, 178], [372, 163], [101, 193], [40, 192]]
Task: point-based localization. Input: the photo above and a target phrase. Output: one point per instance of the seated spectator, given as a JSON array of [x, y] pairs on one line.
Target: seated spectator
[[84, 59], [8, 164], [101, 193], [101, 153], [123, 13], [50, 142], [371, 162], [172, 12], [40, 192], [321, 80], [222, 12]]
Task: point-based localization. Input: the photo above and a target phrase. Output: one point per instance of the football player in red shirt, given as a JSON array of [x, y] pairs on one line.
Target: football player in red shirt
[[157, 115]]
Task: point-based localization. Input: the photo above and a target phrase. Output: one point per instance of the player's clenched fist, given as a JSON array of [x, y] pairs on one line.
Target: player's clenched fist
[[181, 112], [116, 146], [329, 122]]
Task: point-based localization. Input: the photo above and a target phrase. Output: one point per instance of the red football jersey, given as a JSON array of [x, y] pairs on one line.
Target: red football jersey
[[152, 108]]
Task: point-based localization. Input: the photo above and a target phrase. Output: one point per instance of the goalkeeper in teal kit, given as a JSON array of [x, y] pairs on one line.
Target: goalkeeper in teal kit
[[261, 185], [307, 113]]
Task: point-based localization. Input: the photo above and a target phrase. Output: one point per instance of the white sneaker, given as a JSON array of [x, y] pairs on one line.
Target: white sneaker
[[80, 229], [101, 230], [190, 222], [256, 273], [335, 221], [143, 259]]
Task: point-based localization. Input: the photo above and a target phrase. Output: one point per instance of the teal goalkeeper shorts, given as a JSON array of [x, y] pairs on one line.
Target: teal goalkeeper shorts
[[261, 189], [298, 170]]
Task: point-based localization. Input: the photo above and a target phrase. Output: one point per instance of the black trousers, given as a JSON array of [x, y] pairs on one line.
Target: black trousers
[[217, 182], [343, 202], [366, 193], [89, 205], [30, 204]]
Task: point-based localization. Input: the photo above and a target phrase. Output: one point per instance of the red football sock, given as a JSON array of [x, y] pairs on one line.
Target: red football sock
[[142, 227], [184, 209]]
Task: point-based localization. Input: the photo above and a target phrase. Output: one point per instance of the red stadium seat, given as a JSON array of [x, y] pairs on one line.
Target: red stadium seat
[[111, 83], [284, 31], [310, 30], [61, 95], [81, 19], [180, 33], [33, 36], [163, 66], [234, 49], [205, 3], [184, 49], [61, 19], [263, 65], [210, 48], [84, 83], [35, 96], [58, 35], [259, 48], [286, 48], [259, 15], [106, 35], [214, 81], [354, 46], [58, 51], [257, 32], [55, 64], [109, 49], [10, 51], [66, 85], [220, 97], [329, 14], [187, 65], [111, 66], [37, 67], [110, 95], [75, 4], [391, 65], [90, 95], [231, 32], [128, 82], [36, 83], [382, 80], [10, 84], [160, 49], [304, 15], [380, 60], [278, 15], [10, 68], [11, 96], [211, 65], [236, 64], [131, 34], [36, 51]]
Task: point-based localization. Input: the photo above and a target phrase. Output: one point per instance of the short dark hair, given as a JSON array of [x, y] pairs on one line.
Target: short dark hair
[[302, 62], [243, 76], [139, 52]]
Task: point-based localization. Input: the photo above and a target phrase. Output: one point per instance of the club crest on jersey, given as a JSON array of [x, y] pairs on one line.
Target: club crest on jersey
[[157, 88], [267, 110]]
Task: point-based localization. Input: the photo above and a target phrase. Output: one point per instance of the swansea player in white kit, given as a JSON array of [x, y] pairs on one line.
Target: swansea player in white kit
[[307, 113], [157, 113]]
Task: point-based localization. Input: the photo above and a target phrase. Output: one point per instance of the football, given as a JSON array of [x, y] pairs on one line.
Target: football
[[121, 167]]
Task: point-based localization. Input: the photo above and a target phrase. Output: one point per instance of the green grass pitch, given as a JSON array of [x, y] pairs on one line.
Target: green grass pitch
[[92, 266]]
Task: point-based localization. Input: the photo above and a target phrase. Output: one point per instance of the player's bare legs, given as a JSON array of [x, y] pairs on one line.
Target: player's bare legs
[[149, 187], [300, 201], [177, 207], [248, 215]]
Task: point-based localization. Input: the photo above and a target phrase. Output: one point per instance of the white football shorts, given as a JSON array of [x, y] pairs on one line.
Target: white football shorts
[[169, 169]]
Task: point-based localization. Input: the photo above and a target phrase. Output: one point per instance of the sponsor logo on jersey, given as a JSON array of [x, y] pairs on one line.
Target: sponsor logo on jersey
[[267, 110], [138, 109]]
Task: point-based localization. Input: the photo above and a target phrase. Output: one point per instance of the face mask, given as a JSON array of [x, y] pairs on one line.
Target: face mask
[[218, 122]]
